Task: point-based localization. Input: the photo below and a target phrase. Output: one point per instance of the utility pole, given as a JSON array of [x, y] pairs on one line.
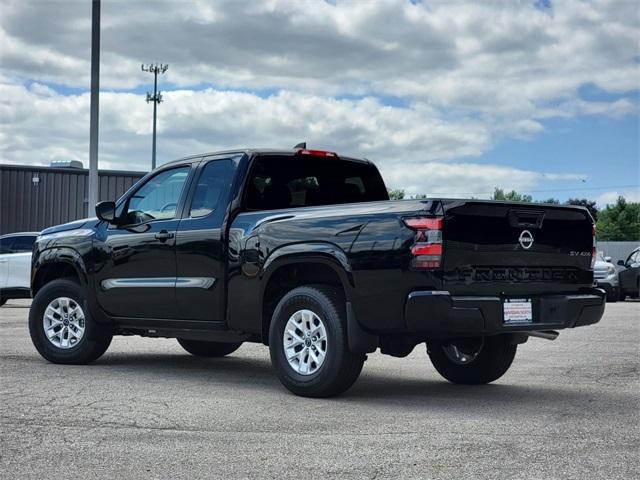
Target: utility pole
[[156, 98], [94, 110]]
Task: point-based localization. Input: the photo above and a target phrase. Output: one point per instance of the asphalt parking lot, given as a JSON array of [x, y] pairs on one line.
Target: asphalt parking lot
[[147, 409]]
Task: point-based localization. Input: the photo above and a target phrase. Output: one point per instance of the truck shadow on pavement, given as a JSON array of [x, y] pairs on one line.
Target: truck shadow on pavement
[[254, 376]]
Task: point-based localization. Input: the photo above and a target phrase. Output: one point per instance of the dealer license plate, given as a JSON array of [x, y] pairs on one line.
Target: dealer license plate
[[518, 311]]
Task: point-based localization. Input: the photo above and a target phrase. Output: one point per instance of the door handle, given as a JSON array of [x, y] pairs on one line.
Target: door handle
[[163, 235]]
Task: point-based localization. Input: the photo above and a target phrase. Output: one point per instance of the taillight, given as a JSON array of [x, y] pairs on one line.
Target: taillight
[[427, 250], [593, 248], [316, 153]]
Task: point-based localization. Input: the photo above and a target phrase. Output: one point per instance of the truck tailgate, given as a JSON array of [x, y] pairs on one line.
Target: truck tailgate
[[506, 248]]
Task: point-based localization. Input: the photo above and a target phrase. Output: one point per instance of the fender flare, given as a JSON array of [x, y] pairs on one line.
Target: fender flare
[[65, 255], [360, 341], [308, 252]]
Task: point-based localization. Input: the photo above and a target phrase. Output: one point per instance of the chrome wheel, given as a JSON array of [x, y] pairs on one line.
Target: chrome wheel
[[64, 322], [305, 342], [463, 352]]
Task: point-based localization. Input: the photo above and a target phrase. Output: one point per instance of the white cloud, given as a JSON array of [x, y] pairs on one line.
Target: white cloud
[[468, 75], [505, 55], [200, 121], [463, 180], [615, 109], [610, 198]]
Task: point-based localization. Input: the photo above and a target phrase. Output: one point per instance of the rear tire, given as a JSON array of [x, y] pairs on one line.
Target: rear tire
[[2, 301], [613, 296], [308, 343], [208, 349], [487, 358], [61, 326]]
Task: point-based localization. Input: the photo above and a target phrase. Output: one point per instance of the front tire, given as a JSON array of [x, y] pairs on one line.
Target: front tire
[[208, 349], [472, 361], [61, 326], [308, 343]]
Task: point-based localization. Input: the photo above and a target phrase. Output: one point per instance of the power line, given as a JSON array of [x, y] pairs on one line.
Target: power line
[[156, 98]]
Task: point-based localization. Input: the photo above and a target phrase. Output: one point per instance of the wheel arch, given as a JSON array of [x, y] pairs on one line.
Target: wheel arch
[[317, 264], [55, 263]]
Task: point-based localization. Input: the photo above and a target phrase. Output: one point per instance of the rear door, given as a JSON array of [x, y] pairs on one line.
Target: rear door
[[495, 247], [200, 242]]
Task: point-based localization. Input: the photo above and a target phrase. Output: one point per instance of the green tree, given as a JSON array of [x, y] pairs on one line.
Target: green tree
[[550, 201], [620, 221], [396, 194], [512, 196], [418, 196], [590, 204]]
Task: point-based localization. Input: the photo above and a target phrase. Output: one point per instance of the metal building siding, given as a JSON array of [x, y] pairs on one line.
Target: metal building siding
[[58, 197], [617, 250]]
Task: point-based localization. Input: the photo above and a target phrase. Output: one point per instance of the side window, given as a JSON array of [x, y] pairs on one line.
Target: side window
[[633, 258], [158, 198], [6, 245], [212, 188], [23, 244]]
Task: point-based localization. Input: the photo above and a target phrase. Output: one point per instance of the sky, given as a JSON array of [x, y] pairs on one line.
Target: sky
[[447, 98]]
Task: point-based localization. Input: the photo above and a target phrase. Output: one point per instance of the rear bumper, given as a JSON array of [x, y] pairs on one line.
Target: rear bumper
[[440, 314]]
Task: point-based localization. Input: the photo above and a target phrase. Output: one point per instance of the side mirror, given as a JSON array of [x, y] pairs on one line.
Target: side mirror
[[607, 259], [621, 263], [106, 211]]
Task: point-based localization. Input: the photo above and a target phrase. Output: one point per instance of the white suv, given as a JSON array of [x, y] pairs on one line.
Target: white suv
[[15, 265]]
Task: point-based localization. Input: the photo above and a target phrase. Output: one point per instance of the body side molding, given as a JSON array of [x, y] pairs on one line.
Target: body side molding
[[158, 282]]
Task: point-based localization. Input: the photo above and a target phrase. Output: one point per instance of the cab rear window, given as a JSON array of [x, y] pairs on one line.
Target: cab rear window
[[289, 182]]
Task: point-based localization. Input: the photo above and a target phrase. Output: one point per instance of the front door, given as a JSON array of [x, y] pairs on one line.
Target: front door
[[137, 275], [628, 277]]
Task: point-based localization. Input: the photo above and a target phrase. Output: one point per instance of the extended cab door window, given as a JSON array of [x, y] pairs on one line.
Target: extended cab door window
[[212, 188]]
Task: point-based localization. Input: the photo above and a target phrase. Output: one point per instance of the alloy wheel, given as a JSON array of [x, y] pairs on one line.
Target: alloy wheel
[[64, 322], [305, 342]]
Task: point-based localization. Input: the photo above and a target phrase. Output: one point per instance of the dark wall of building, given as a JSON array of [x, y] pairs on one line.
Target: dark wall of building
[[34, 198]]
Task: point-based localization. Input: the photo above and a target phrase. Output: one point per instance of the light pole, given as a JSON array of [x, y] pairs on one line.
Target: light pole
[[156, 98], [94, 109]]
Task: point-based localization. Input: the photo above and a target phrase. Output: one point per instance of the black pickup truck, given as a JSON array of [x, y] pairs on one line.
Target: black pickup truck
[[303, 251]]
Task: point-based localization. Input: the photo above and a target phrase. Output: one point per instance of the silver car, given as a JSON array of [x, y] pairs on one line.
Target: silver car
[[606, 275]]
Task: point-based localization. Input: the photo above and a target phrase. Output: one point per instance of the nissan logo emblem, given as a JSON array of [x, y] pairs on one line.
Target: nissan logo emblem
[[526, 239]]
